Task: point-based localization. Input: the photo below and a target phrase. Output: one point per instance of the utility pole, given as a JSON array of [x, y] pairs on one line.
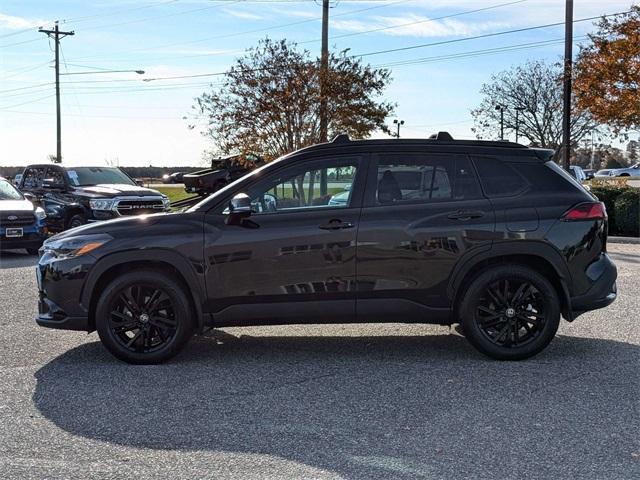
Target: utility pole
[[56, 34], [324, 71], [566, 107]]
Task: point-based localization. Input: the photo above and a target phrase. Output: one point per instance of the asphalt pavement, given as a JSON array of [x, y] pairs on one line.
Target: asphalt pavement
[[321, 402]]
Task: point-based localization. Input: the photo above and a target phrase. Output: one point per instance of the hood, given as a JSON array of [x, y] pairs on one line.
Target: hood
[[114, 226], [117, 189], [16, 206]]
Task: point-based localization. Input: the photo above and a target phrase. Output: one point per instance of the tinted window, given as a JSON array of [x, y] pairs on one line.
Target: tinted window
[[299, 187], [55, 175], [551, 176], [498, 178], [32, 178], [416, 178]]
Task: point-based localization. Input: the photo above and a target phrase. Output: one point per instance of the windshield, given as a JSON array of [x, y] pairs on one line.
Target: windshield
[[8, 191], [85, 176]]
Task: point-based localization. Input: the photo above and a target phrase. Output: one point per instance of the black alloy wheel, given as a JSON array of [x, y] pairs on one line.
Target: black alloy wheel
[[144, 317], [510, 312]]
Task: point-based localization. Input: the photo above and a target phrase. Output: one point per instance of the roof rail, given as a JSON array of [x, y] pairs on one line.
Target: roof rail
[[341, 138], [446, 136]]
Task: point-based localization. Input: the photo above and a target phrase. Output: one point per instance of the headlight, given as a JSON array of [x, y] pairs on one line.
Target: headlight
[[74, 246], [101, 204], [40, 213], [166, 202]]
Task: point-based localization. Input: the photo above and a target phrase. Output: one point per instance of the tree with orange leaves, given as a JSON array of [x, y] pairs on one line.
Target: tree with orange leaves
[[607, 81]]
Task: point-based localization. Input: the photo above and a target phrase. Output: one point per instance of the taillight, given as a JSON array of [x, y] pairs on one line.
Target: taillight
[[586, 211]]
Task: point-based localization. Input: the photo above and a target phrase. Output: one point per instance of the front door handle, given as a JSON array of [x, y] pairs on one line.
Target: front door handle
[[465, 215], [336, 224]]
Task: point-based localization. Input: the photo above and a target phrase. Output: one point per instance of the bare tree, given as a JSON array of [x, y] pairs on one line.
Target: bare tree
[[268, 101], [533, 93]]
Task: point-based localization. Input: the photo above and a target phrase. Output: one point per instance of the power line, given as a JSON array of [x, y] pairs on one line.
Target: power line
[[246, 32], [390, 27], [484, 35], [25, 103], [477, 53], [175, 14]]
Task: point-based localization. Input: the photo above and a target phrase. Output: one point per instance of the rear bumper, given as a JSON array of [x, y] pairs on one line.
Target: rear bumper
[[603, 291]]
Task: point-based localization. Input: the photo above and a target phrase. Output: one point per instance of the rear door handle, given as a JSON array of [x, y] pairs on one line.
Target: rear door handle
[[465, 215], [336, 224]]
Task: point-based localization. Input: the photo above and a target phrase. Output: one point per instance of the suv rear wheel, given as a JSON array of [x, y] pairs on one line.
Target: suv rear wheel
[[144, 317], [510, 312]]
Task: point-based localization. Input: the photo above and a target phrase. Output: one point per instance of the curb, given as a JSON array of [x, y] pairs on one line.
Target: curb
[[632, 240]]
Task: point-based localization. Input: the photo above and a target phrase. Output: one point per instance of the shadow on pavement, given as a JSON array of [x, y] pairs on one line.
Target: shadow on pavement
[[17, 259], [363, 407]]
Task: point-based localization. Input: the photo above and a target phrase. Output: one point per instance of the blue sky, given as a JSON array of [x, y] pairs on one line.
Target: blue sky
[[120, 118]]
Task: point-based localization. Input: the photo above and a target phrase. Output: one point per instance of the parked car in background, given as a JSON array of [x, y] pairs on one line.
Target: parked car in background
[[175, 177], [492, 235], [72, 196], [633, 171], [22, 224], [223, 171], [589, 172], [578, 173]]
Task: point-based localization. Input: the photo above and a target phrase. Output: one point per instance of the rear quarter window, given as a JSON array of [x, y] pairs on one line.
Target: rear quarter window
[[499, 178]]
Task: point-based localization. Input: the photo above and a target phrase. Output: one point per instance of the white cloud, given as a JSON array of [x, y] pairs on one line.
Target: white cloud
[[243, 15], [417, 26], [11, 22]]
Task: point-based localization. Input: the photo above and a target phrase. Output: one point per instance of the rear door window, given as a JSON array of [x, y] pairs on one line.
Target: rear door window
[[498, 178], [33, 177], [420, 178]]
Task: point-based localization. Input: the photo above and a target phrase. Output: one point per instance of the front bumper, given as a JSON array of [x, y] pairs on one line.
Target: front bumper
[[52, 316], [32, 238], [60, 285], [603, 290]]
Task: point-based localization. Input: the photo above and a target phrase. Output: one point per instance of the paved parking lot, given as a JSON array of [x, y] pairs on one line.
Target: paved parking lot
[[365, 401]]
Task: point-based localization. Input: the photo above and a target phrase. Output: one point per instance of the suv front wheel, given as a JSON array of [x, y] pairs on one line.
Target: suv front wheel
[[144, 317], [510, 312]]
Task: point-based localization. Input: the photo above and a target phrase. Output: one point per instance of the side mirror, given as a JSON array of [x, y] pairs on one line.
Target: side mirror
[[139, 183], [30, 196], [51, 184], [240, 205]]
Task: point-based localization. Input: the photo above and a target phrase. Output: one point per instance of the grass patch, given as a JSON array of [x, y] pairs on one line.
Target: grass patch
[[175, 194]]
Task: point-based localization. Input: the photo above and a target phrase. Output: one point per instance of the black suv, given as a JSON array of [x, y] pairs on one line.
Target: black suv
[[491, 235], [73, 196]]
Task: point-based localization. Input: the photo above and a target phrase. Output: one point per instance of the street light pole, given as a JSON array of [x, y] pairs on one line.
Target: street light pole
[[518, 110], [500, 108], [398, 123]]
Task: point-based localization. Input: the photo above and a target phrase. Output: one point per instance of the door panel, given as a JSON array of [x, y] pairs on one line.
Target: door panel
[[293, 260], [424, 214]]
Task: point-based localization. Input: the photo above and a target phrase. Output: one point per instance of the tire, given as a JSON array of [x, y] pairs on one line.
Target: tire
[[127, 333], [515, 325], [76, 220]]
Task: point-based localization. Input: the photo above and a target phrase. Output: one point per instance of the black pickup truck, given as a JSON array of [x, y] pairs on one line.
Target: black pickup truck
[[73, 196], [223, 171]]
